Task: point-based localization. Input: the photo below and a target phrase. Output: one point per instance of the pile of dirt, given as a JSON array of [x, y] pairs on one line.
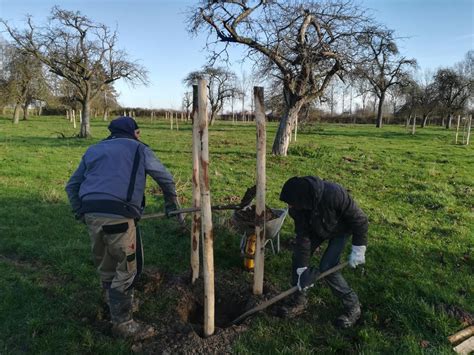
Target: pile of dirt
[[463, 316], [180, 327], [244, 220]]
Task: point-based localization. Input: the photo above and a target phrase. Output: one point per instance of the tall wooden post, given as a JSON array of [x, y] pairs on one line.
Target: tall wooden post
[[469, 123], [206, 214], [457, 129], [196, 223], [296, 127], [260, 203]]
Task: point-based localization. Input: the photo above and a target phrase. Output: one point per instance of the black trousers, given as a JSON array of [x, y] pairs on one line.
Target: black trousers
[[303, 251]]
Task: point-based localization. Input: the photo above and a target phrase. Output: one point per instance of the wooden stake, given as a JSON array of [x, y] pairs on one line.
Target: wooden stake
[[206, 214], [260, 203], [461, 335], [457, 129], [466, 347], [469, 129], [296, 127], [196, 217]]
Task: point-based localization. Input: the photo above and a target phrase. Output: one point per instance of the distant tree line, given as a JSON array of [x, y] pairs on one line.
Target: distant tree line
[[319, 61]]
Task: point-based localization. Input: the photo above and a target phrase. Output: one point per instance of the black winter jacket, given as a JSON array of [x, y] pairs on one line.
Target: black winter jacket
[[333, 213]]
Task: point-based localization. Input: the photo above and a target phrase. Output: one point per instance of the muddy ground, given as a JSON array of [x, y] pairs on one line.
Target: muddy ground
[[179, 328]]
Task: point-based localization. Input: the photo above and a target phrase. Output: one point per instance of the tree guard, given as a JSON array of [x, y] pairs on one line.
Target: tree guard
[[260, 203]]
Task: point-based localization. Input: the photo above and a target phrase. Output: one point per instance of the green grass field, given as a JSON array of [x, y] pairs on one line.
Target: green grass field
[[417, 191]]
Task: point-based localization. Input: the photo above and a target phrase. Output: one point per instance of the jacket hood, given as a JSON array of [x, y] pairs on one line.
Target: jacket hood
[[123, 127], [302, 192]]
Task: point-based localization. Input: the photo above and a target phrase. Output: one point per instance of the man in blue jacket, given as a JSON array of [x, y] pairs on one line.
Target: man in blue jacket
[[324, 211], [107, 193]]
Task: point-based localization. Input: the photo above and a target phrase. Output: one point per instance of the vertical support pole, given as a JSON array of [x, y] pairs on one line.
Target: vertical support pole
[[296, 127], [196, 222], [469, 123], [457, 129], [260, 203], [206, 213]]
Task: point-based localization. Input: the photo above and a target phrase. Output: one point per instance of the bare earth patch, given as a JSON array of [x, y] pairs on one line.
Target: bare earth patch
[[180, 327]]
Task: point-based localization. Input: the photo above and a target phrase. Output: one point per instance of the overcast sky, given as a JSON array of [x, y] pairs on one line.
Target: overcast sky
[[436, 33]]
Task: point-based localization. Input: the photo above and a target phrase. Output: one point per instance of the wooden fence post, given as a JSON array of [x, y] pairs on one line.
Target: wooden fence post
[[457, 129], [206, 213], [196, 222], [260, 203]]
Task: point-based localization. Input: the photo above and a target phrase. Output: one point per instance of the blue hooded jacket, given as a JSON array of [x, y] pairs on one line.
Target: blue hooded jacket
[[111, 177]]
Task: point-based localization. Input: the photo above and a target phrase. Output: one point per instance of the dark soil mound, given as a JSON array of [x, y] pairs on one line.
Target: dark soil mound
[[180, 330]]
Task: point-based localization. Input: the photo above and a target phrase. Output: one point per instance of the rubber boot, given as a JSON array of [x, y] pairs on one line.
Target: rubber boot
[[349, 317], [295, 305], [121, 309], [134, 330]]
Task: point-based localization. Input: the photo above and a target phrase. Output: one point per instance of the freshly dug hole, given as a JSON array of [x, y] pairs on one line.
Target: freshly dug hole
[[226, 310]]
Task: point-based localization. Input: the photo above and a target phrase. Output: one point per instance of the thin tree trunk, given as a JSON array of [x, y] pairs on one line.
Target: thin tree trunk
[[425, 120], [448, 123], [25, 112], [457, 129], [260, 197], [196, 222], [469, 123], [282, 138], [206, 213], [380, 110], [296, 127], [413, 128]]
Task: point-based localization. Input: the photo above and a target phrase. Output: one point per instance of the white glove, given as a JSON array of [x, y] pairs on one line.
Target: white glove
[[357, 256]]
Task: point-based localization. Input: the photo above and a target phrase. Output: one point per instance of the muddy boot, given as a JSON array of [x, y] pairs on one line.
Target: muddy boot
[[349, 317], [134, 330], [295, 306]]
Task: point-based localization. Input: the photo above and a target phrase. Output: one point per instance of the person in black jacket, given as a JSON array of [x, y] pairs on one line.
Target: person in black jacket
[[324, 211]]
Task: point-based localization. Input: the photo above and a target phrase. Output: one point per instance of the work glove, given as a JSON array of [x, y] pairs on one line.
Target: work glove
[[357, 256], [172, 205], [306, 277]]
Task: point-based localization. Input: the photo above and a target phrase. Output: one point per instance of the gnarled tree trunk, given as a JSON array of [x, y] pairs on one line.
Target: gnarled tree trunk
[[283, 135], [85, 121], [16, 114]]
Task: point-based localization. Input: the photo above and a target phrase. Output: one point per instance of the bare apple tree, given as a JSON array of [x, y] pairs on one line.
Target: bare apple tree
[[302, 43], [83, 52], [221, 86]]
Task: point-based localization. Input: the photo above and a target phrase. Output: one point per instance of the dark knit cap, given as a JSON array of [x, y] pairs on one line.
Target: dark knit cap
[[297, 193], [123, 125]]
